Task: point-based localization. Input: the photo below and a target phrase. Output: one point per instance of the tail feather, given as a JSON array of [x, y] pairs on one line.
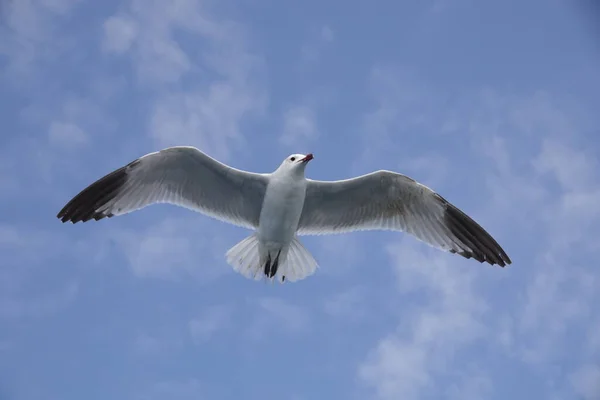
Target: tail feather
[[299, 263], [244, 256], [292, 265]]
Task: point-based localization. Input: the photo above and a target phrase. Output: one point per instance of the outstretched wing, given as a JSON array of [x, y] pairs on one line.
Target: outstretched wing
[[389, 201], [183, 176]]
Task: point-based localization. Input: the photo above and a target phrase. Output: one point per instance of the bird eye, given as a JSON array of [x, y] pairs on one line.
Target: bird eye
[[293, 159]]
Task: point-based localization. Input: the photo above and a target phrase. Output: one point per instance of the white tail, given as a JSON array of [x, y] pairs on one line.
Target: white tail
[[245, 258], [300, 263]]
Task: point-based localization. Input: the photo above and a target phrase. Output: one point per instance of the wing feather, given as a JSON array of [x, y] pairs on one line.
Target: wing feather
[[183, 176], [387, 200]]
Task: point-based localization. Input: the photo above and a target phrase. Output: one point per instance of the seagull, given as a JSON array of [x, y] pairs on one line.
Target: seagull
[[282, 205]]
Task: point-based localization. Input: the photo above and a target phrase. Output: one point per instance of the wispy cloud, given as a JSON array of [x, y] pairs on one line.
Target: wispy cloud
[[586, 381], [208, 112], [277, 314], [147, 345], [27, 253], [291, 317], [30, 34], [120, 32], [212, 320], [339, 254], [173, 249], [208, 119], [447, 319], [299, 126], [471, 385], [320, 39], [66, 134], [39, 306], [350, 304], [544, 193]]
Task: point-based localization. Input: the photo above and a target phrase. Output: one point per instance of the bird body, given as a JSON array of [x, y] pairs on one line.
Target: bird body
[[282, 205], [279, 216]]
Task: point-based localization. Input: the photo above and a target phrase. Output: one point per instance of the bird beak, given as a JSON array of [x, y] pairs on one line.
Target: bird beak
[[307, 158]]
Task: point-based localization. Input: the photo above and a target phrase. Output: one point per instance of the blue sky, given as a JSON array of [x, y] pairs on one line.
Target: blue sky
[[492, 104]]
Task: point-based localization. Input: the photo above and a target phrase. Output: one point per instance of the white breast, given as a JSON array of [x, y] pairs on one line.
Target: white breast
[[282, 207]]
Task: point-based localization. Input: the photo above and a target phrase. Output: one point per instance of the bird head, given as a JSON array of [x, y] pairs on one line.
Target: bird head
[[295, 163]]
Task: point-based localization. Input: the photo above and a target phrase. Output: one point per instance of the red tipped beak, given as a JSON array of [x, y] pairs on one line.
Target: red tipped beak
[[307, 157]]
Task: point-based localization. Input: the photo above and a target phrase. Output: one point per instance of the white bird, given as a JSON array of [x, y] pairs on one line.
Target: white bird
[[281, 205]]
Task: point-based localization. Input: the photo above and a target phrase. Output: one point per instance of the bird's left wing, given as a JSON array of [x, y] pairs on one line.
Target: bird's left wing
[[183, 176], [389, 201]]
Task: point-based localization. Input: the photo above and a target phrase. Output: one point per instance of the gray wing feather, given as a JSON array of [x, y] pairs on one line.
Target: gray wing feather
[[183, 176], [385, 200]]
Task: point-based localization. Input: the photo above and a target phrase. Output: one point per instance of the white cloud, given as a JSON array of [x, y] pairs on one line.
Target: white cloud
[[147, 30], [209, 120], [447, 319], [212, 320], [119, 34], [586, 382], [349, 304], [473, 385], [59, 6], [162, 61], [10, 236], [327, 33], [228, 77], [312, 50], [538, 182], [404, 106], [26, 249], [555, 300], [558, 294], [593, 339], [174, 249], [293, 318], [67, 118], [276, 313], [12, 306], [33, 34], [158, 342], [299, 126], [571, 168], [339, 254], [396, 369], [159, 57], [27, 252], [67, 135], [145, 344], [431, 169]]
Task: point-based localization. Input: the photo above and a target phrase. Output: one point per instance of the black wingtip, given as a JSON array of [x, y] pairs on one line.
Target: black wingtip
[[83, 207], [480, 245]]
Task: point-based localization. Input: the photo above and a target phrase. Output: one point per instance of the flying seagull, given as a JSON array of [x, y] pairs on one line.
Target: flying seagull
[[282, 205]]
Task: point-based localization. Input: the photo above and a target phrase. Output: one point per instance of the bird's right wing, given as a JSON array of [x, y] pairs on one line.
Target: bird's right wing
[[390, 201], [183, 176]]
